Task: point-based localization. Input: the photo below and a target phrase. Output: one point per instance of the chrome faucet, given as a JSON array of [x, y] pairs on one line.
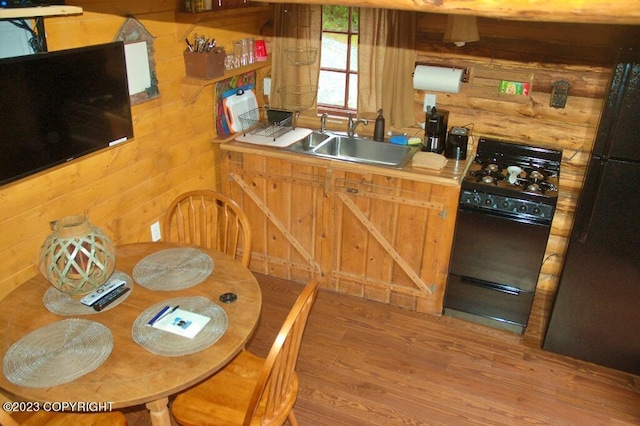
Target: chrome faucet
[[354, 123], [323, 122]]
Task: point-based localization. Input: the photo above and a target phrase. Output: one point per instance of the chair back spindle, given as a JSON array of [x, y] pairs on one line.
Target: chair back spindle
[[278, 380], [209, 219]]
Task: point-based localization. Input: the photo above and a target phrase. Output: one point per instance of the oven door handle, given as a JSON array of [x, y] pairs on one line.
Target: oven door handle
[[492, 286]]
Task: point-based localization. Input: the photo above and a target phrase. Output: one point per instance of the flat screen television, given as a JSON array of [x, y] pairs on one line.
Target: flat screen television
[[61, 105]]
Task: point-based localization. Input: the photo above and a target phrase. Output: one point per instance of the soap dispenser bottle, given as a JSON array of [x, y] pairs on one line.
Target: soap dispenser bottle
[[378, 131]]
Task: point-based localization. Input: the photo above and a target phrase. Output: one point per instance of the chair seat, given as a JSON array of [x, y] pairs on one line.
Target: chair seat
[[223, 399], [251, 390], [44, 418]]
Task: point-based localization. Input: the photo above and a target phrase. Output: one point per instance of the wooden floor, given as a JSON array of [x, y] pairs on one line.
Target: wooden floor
[[365, 363]]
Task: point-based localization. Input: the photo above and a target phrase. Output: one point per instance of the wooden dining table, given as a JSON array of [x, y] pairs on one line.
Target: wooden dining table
[[132, 375]]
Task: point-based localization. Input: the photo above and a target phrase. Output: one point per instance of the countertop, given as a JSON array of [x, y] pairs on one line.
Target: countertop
[[450, 175]]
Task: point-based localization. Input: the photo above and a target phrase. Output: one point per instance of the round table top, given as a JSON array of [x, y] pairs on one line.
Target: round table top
[[132, 375]]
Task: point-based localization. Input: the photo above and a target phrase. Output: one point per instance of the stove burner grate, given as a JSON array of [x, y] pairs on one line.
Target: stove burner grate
[[535, 181], [489, 173]]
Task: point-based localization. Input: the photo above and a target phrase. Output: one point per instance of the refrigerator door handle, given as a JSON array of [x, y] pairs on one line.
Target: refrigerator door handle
[[588, 198]]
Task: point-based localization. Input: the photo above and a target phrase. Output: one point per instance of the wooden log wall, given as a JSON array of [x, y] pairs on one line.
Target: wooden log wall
[[126, 188], [583, 55], [580, 11]]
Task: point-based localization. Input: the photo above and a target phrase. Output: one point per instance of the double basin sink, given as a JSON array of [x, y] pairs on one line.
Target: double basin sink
[[354, 149]]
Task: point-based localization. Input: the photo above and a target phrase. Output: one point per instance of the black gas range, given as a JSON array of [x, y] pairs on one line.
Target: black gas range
[[507, 202]]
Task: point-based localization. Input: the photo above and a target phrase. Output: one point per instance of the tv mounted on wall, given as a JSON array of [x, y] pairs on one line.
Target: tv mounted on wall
[[61, 105]]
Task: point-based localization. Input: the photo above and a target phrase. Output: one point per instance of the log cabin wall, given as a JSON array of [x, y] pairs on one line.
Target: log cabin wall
[[126, 188], [548, 52]]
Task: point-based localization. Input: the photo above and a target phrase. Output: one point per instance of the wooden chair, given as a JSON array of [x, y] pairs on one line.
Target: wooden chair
[[251, 390], [47, 418], [209, 219]]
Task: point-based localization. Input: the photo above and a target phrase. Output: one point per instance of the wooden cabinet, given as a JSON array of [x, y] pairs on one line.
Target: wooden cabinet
[[392, 239], [287, 205], [384, 238]]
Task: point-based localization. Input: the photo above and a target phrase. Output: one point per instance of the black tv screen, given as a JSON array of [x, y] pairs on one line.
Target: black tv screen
[[61, 105]]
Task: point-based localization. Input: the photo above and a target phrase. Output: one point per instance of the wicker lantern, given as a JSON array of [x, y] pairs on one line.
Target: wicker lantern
[[77, 257]]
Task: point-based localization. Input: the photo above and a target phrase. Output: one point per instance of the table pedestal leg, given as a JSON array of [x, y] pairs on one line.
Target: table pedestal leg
[[159, 411]]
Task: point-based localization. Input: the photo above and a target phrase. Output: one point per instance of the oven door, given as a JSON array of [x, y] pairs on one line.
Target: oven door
[[503, 251], [494, 303]]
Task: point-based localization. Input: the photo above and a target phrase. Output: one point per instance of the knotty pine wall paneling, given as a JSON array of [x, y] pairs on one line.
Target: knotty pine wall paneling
[[123, 189]]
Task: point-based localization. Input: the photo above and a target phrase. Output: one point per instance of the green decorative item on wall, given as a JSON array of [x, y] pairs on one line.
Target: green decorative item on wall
[[77, 257]]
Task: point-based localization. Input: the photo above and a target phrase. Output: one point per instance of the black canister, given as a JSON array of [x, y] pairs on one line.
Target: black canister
[[378, 130], [456, 146]]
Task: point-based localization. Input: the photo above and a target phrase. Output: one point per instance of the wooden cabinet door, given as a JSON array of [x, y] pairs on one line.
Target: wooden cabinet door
[[286, 204], [382, 238], [392, 239]]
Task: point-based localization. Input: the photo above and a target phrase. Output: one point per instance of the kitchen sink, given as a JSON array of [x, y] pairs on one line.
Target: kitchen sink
[[353, 149], [309, 142]]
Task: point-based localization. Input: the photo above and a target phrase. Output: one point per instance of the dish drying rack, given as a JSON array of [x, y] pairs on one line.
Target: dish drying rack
[[264, 121]]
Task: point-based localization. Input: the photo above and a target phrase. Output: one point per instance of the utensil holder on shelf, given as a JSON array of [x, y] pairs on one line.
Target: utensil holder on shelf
[[207, 65]]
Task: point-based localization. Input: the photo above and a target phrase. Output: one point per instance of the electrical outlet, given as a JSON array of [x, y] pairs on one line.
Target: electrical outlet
[[429, 102], [267, 86], [155, 232]]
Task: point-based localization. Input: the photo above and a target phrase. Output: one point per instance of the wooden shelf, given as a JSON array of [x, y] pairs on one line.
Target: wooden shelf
[[263, 12], [37, 12], [217, 14], [191, 87]]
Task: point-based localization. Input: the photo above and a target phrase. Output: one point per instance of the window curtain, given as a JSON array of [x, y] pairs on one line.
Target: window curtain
[[296, 54], [386, 61]]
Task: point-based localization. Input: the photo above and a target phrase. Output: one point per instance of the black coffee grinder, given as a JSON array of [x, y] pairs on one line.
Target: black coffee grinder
[[435, 131]]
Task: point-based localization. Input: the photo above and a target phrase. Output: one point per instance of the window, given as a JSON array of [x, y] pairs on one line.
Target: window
[[338, 80]]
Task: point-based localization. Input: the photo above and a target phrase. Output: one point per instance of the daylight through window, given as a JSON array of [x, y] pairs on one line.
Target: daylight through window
[[338, 81]]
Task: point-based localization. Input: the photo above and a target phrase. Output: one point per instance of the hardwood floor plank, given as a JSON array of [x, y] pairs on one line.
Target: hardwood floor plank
[[447, 371], [364, 363]]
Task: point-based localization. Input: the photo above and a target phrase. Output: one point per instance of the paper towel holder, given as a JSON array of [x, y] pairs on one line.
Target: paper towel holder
[[465, 70]]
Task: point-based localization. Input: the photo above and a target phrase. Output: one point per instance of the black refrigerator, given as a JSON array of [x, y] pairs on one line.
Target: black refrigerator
[[596, 313]]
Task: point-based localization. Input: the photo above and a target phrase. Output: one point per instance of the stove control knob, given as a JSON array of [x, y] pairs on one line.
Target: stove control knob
[[488, 202], [536, 210], [523, 208], [476, 199], [505, 204]]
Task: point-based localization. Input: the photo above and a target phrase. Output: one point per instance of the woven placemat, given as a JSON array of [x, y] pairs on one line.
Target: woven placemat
[[62, 304], [57, 353], [173, 269], [162, 342]]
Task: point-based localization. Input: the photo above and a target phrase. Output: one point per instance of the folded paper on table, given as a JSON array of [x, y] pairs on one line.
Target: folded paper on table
[[182, 322]]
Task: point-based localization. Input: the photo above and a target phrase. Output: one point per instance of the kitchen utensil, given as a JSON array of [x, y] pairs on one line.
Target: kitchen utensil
[[513, 171], [236, 105]]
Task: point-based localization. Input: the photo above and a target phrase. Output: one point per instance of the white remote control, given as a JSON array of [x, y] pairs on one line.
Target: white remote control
[[102, 291]]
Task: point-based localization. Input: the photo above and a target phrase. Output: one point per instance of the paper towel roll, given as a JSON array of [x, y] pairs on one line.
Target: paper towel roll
[[437, 79]]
